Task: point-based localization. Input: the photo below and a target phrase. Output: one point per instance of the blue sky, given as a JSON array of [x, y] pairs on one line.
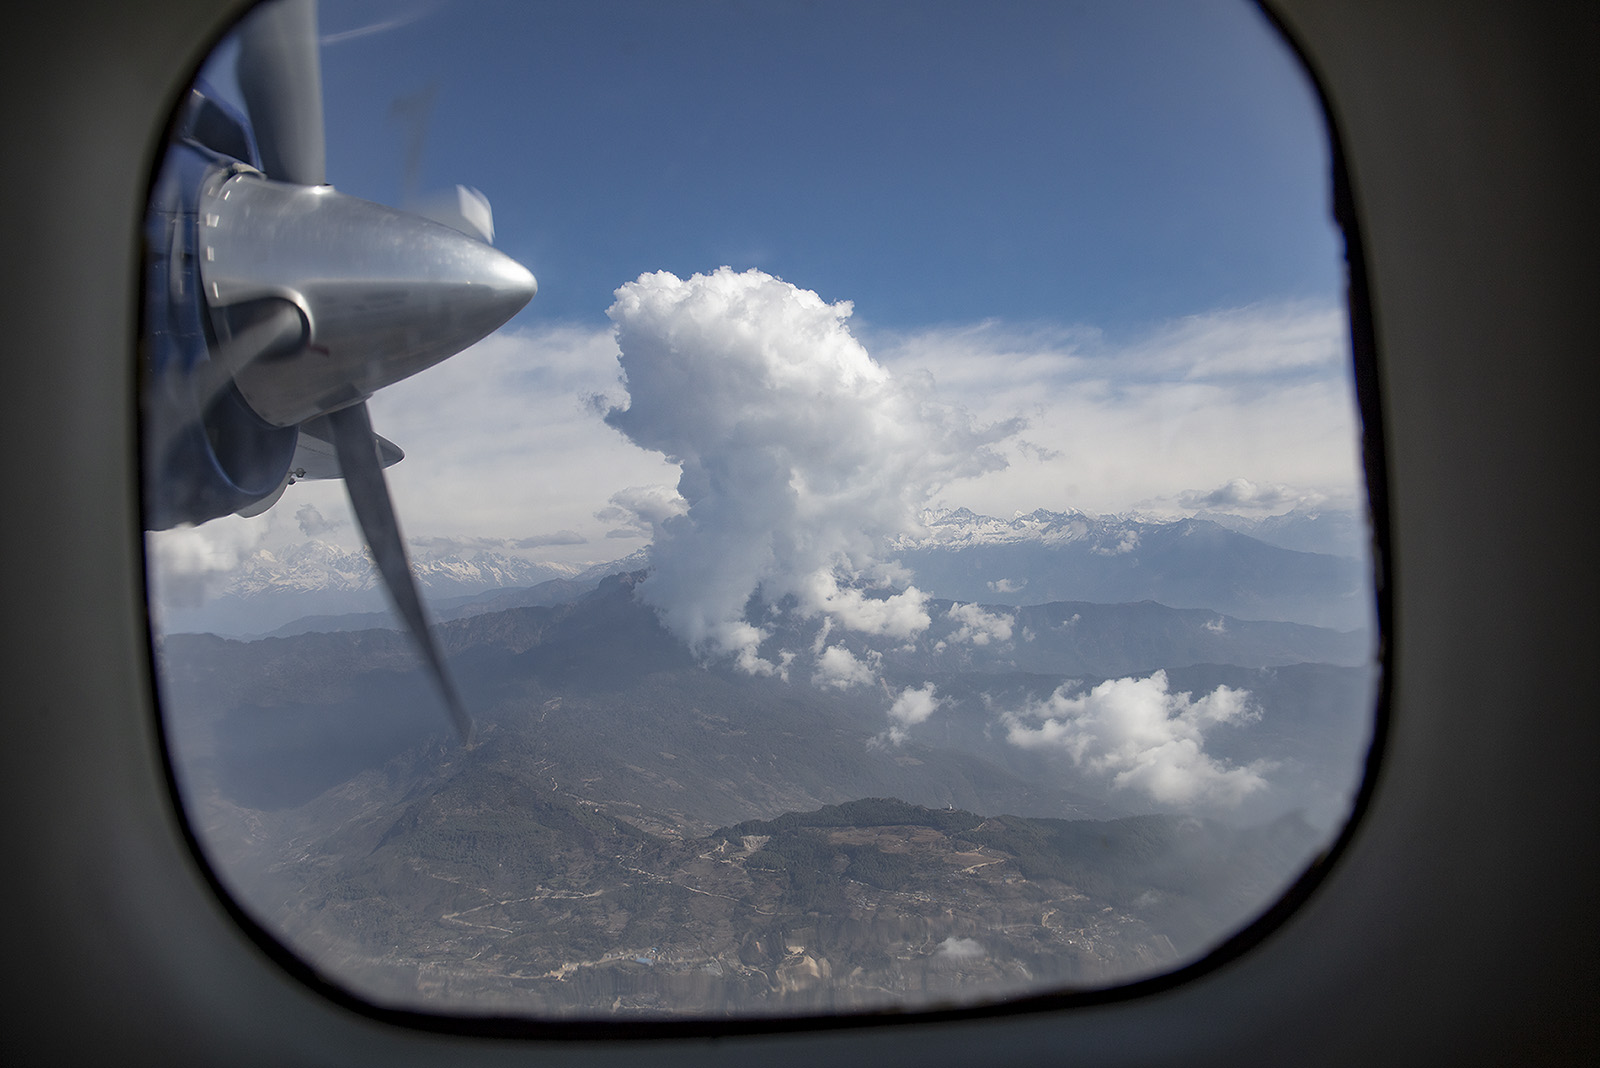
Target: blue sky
[[1115, 164], [1102, 228]]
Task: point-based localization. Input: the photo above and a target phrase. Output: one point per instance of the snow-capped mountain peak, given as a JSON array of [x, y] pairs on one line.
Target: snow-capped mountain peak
[[962, 528], [327, 567]]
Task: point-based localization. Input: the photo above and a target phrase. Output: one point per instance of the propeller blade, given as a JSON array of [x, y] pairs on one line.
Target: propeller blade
[[357, 448], [280, 76]]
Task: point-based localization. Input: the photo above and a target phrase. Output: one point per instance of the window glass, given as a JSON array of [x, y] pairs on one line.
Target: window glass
[[912, 551]]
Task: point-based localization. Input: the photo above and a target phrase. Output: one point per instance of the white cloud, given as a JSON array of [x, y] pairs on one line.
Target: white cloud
[[1144, 737], [979, 627], [912, 707], [1125, 544], [797, 453], [505, 440], [189, 564], [800, 456], [1243, 495], [838, 667], [1115, 424], [501, 443], [312, 524], [954, 948], [898, 615], [1255, 340]]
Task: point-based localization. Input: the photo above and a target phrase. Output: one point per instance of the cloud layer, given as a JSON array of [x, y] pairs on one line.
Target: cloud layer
[[505, 440], [800, 456], [1261, 392], [1240, 495], [187, 565], [1144, 738]]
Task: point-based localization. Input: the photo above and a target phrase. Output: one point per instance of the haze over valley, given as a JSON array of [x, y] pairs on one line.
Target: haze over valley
[[1016, 797]]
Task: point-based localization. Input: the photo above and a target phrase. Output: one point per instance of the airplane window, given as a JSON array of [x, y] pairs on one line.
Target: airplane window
[[909, 549]]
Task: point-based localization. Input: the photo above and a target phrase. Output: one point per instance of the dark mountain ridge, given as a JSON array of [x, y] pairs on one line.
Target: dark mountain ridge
[[288, 717], [482, 889], [636, 832], [1189, 563]]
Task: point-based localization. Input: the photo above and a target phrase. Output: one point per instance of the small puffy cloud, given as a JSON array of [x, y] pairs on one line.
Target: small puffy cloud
[[1243, 495], [800, 456], [838, 667], [912, 707], [1128, 542], [899, 615], [976, 626], [954, 948], [1006, 585], [312, 524], [1145, 737]]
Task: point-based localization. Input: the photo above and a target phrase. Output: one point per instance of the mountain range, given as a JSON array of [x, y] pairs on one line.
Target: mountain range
[[489, 894], [638, 830], [1186, 563], [1227, 564], [594, 850], [621, 712], [272, 587]]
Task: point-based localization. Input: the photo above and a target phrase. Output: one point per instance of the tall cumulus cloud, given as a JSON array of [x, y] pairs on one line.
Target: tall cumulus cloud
[[800, 455]]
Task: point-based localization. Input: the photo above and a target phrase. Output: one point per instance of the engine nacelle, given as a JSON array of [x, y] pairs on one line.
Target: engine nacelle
[[207, 453]]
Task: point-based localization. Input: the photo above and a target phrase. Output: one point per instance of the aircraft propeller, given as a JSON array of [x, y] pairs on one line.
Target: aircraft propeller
[[313, 301]]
